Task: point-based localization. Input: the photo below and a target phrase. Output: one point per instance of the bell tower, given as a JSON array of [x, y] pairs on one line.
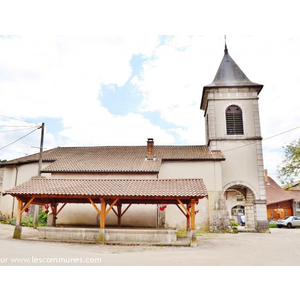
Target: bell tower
[[230, 105]]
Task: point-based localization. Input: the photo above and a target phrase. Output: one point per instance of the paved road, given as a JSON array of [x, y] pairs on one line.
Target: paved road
[[279, 248]]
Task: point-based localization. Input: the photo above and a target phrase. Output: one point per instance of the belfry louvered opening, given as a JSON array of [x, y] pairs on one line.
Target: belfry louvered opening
[[234, 120]]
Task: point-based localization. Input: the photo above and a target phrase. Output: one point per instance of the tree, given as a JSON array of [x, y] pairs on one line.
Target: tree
[[289, 170]]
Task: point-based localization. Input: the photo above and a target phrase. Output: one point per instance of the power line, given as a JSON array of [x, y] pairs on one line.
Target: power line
[[17, 126], [11, 118], [15, 119], [21, 137], [281, 133], [270, 137], [25, 128]]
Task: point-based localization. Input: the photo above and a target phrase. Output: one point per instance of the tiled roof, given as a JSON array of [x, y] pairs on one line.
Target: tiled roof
[[166, 188], [275, 193], [116, 158], [295, 195]]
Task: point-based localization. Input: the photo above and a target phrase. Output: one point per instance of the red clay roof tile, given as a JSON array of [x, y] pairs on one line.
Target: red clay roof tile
[[122, 159], [192, 188]]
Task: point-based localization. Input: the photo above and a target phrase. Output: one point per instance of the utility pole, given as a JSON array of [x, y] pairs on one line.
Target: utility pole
[[36, 208]]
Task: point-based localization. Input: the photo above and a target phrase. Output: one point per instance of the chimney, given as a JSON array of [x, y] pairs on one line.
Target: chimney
[[266, 175], [150, 149]]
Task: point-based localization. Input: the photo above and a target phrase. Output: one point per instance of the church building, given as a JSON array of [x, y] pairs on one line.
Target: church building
[[197, 187]]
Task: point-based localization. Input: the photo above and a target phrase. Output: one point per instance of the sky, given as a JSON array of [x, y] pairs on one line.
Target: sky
[[92, 90]]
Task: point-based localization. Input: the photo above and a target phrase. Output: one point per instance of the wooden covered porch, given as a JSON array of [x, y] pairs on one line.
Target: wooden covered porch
[[107, 195]]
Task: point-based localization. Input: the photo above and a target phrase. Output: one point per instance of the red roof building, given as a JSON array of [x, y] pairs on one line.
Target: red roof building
[[279, 202]]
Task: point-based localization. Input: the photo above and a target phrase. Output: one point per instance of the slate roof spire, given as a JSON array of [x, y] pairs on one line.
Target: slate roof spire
[[230, 75], [226, 50]]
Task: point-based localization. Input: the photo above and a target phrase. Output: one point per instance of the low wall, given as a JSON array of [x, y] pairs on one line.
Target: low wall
[[64, 234], [141, 236], [112, 236]]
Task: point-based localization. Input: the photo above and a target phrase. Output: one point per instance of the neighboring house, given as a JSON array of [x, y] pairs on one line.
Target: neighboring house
[[230, 165], [294, 190], [280, 203]]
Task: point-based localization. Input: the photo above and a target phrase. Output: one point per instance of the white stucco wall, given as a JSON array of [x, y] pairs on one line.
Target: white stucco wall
[[85, 214], [14, 176], [211, 174], [244, 161]]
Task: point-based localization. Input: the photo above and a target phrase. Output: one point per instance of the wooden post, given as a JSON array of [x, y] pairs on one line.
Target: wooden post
[[193, 227], [188, 219], [54, 214], [18, 227], [101, 238], [193, 215], [102, 214], [119, 206]]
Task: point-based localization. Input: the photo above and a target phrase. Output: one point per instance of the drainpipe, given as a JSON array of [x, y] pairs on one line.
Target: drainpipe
[[14, 198]]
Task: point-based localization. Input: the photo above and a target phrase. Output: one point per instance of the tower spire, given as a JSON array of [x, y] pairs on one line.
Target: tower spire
[[226, 50]]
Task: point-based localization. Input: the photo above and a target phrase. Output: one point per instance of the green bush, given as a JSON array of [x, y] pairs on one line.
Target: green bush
[[6, 219], [27, 221], [42, 220]]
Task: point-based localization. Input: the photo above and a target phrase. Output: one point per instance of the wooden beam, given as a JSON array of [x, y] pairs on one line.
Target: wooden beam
[[125, 210], [27, 204], [114, 211], [181, 210], [186, 210], [111, 206], [61, 208], [97, 209]]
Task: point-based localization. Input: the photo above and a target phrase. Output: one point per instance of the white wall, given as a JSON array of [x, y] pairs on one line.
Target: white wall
[[210, 172], [14, 176]]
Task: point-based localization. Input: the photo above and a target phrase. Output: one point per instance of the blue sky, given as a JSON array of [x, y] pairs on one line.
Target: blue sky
[[121, 90]]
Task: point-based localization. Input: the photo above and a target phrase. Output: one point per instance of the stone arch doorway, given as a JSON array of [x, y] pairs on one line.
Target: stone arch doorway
[[240, 194], [236, 212]]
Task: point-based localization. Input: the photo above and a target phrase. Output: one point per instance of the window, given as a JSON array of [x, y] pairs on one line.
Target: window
[[234, 120]]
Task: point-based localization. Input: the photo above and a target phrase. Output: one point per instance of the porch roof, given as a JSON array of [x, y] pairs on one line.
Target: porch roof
[[147, 191]]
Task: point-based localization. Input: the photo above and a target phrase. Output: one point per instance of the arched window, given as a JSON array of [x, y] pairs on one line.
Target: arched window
[[234, 120]]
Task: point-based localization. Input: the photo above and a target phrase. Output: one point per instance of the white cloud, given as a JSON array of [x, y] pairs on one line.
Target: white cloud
[[172, 84], [62, 76], [47, 77]]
